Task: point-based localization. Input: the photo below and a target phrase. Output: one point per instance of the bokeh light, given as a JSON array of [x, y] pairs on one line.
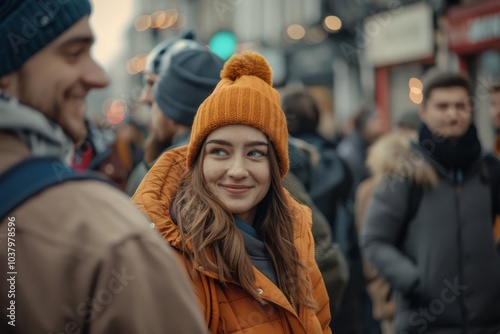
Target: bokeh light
[[137, 64], [117, 111], [171, 17], [416, 98], [143, 22], [158, 19], [415, 86], [332, 23], [296, 31], [179, 22]]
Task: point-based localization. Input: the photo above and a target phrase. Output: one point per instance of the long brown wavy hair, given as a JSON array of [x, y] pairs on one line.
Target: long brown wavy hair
[[208, 225]]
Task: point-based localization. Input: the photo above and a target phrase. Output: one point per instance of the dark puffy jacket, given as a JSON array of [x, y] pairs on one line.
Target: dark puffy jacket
[[442, 263]]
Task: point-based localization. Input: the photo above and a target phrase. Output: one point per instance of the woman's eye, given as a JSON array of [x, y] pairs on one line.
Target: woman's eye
[[256, 154], [218, 151]]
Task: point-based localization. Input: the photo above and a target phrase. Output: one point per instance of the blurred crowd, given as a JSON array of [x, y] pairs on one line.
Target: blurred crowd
[[334, 173]]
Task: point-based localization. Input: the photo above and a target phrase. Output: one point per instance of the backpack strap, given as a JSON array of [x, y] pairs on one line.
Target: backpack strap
[[492, 176], [32, 176], [414, 197]]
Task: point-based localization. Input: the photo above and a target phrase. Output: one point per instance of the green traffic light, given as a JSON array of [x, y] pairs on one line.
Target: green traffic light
[[223, 44]]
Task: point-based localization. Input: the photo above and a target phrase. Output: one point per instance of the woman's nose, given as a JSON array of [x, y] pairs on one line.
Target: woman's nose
[[237, 168]]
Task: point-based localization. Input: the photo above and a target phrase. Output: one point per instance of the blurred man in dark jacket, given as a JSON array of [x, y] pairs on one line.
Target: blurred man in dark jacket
[[435, 244]]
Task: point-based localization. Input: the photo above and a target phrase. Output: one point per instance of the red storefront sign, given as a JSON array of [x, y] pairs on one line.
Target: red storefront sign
[[475, 27]]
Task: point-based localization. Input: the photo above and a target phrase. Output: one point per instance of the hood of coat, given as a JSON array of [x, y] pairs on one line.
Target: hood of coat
[[158, 188], [393, 155]]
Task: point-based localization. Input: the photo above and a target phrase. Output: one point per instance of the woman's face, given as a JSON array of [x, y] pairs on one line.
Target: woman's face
[[236, 168]]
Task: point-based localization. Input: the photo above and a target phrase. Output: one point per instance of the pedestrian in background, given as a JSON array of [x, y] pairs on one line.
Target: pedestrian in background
[[435, 245], [187, 74], [495, 118], [328, 185], [87, 260], [219, 201], [330, 191], [100, 152], [354, 147], [388, 156], [495, 115]]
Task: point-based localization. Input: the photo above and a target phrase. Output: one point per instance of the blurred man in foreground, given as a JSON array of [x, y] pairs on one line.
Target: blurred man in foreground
[[87, 260]]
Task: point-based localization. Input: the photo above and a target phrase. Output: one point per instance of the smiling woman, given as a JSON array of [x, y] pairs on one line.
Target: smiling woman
[[245, 242]]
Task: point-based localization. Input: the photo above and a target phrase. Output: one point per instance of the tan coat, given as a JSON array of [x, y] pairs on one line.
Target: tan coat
[[87, 261], [229, 309]]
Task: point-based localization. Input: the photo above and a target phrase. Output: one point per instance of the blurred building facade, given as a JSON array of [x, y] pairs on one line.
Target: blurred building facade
[[344, 51], [408, 38], [473, 30]]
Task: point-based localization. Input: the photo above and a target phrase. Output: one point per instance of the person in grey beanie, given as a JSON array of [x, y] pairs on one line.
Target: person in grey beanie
[[158, 60], [189, 77], [88, 261]]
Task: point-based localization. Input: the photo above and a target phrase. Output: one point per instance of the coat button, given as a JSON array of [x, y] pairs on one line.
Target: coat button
[[260, 291], [109, 169]]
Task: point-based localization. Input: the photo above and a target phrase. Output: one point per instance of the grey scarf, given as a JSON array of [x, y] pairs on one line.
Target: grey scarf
[[44, 137]]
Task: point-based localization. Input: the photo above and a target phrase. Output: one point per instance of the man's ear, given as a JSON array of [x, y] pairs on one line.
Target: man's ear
[[7, 84], [4, 81]]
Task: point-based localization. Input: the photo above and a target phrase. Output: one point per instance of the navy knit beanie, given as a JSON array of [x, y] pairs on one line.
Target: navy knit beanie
[[27, 26], [189, 79]]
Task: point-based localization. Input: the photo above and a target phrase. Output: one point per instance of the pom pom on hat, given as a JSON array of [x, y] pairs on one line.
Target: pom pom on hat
[[250, 63], [244, 96]]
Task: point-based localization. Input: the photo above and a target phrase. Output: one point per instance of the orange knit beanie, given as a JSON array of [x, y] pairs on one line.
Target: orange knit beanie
[[243, 96]]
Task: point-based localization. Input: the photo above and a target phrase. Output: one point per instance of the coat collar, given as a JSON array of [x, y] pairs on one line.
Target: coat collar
[[44, 137]]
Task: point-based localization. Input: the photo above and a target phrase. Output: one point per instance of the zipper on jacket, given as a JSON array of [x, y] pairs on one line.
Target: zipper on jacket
[[461, 297]]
